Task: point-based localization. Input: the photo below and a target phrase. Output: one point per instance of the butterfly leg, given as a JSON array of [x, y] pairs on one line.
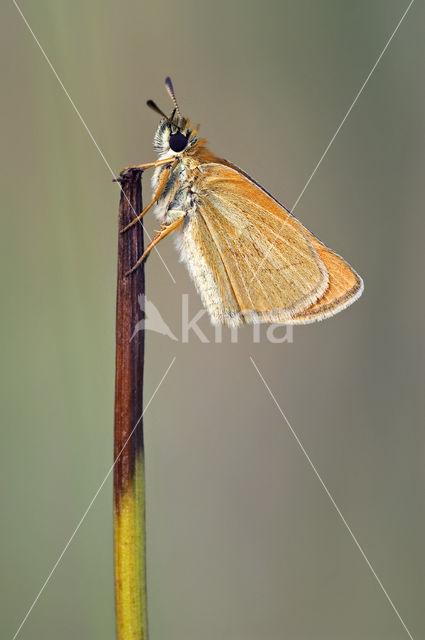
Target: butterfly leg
[[158, 192], [164, 231], [147, 165]]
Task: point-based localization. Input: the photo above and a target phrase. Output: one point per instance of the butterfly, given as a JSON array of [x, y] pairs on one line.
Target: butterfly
[[251, 260]]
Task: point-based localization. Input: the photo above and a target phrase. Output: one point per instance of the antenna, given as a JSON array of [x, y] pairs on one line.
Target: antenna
[[170, 89], [152, 105]]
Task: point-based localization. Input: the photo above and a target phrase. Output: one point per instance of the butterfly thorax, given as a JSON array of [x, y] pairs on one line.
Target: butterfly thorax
[[179, 193]]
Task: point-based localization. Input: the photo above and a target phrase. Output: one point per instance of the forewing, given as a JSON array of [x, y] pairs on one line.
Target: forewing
[[271, 265], [345, 287]]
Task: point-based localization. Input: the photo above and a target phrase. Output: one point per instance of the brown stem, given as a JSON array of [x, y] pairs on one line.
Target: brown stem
[[129, 485]]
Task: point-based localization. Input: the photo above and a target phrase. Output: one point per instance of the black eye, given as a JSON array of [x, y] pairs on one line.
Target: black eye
[[178, 141]]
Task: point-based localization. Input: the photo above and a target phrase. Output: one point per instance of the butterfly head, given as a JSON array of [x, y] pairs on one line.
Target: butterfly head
[[173, 135]]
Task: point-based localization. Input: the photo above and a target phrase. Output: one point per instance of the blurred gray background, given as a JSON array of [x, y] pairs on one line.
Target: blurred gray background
[[243, 541]]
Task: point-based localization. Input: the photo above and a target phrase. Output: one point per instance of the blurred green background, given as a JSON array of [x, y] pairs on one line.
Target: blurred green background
[[243, 541]]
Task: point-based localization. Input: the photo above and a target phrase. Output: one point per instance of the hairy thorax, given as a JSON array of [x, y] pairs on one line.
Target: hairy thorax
[[179, 192]]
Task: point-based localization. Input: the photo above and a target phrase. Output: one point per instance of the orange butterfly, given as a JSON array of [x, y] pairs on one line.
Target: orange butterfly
[[251, 260]]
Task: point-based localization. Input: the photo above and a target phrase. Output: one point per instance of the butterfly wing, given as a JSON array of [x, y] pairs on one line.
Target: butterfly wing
[[199, 251], [251, 260], [345, 287]]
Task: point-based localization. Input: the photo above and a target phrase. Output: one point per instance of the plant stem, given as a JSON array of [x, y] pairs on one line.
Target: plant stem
[[129, 470]]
